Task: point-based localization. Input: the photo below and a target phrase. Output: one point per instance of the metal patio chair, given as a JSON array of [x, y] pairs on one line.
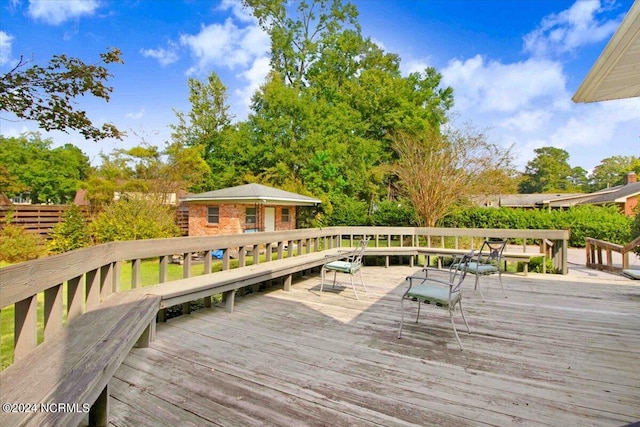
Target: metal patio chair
[[445, 294], [349, 263], [488, 261]]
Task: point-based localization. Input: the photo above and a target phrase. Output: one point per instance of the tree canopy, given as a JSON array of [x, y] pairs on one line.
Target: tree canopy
[[49, 175], [46, 94]]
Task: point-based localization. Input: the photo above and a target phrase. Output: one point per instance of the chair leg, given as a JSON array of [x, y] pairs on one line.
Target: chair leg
[[501, 285], [335, 273], [401, 317], [479, 288], [323, 272], [463, 316], [454, 328], [362, 281], [418, 316], [353, 286]]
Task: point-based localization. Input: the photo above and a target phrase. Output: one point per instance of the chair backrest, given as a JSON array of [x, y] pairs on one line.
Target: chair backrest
[[356, 256], [491, 251], [458, 271]]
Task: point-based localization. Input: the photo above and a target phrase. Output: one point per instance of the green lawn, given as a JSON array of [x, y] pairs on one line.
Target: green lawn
[[149, 273]]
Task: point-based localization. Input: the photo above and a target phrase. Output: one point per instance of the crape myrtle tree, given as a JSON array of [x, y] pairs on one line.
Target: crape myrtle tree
[[46, 94], [441, 170]]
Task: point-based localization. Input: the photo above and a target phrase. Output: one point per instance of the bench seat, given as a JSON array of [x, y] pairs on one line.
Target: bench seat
[[75, 366], [227, 281], [524, 257]]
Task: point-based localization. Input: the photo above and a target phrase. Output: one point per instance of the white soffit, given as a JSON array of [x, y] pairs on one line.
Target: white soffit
[[616, 73]]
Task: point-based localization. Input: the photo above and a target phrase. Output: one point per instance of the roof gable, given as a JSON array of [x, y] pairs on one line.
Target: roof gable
[[253, 193]]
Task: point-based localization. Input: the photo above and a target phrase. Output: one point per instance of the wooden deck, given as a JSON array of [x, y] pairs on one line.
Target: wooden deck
[[556, 352]]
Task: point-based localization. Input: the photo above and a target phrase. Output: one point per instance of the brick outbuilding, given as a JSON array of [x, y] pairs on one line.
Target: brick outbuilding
[[244, 209]]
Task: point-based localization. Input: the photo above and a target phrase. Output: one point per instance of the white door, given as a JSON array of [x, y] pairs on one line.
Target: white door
[[269, 219]]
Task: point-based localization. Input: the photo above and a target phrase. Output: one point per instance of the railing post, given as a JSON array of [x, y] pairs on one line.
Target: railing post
[[186, 265], [106, 281], [26, 324], [163, 273], [117, 275], [52, 311], [242, 256], [135, 273], [74, 298], [92, 288]]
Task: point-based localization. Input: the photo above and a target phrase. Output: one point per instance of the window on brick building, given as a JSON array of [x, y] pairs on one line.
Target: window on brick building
[[285, 214], [213, 215], [250, 216]]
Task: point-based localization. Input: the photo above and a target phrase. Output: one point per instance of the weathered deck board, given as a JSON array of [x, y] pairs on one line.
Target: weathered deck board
[[553, 353]]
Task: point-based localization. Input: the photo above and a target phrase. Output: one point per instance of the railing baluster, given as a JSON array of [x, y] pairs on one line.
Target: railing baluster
[[92, 291], [163, 267], [52, 311], [135, 273], [106, 281], [74, 298], [26, 326]]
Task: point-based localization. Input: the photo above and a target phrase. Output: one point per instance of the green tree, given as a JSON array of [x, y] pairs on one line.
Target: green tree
[[549, 172], [135, 217], [611, 171], [72, 233], [49, 175], [332, 93], [206, 127], [46, 94], [147, 169]]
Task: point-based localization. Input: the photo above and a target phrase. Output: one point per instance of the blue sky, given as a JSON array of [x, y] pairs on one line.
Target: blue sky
[[513, 64]]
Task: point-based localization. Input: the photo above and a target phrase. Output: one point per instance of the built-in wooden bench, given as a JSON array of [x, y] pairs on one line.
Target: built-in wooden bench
[[412, 251], [65, 379], [227, 282]]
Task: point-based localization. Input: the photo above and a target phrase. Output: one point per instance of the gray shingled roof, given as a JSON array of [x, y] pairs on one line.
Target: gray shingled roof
[[616, 194], [253, 193]]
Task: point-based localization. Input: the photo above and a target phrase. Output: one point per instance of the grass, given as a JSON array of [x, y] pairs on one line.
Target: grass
[[149, 274]]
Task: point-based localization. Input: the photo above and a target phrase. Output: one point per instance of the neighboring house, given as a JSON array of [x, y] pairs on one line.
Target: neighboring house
[[624, 196], [244, 209]]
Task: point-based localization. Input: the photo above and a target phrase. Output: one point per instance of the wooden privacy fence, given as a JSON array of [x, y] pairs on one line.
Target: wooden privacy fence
[[89, 330], [595, 249], [40, 219], [36, 219]]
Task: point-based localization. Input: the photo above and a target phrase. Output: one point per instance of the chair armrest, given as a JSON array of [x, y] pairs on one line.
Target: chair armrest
[[428, 279]]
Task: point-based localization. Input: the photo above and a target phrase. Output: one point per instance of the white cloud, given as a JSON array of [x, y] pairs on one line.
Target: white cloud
[[570, 29], [225, 45], [413, 66], [527, 121], [57, 12], [136, 116], [5, 47], [239, 11], [493, 86], [254, 77], [164, 56]]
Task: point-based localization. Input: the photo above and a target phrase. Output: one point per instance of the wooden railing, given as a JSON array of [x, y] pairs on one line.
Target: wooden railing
[[94, 273], [595, 249]]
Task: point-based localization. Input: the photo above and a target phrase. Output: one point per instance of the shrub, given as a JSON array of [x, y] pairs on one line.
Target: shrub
[[635, 230], [134, 219], [604, 223], [17, 245], [72, 233], [348, 212], [394, 214]]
